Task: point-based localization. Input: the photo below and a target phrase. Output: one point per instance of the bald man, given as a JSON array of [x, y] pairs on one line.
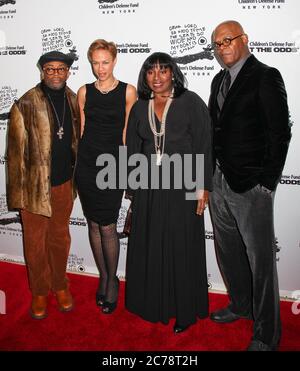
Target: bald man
[[251, 134]]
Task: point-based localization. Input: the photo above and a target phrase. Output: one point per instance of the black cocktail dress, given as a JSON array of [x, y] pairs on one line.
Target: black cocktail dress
[[104, 124]]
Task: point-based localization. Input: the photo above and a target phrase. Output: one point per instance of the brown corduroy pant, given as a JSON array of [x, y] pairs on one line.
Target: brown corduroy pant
[[47, 243]]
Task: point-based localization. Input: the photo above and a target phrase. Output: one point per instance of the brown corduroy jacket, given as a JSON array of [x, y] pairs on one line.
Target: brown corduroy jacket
[[30, 133]]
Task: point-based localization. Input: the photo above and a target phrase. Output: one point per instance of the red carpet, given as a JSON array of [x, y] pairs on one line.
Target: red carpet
[[85, 328]]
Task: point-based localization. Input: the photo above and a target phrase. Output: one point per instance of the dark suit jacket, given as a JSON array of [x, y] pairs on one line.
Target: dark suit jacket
[[251, 134]]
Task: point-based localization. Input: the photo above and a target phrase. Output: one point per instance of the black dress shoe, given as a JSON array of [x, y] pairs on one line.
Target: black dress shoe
[[259, 346], [224, 316], [178, 328]]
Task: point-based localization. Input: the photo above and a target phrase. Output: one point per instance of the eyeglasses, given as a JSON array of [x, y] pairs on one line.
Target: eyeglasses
[[51, 71], [225, 42]]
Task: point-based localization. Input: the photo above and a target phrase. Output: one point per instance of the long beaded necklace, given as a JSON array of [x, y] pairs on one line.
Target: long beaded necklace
[[60, 131], [159, 136], [109, 89]]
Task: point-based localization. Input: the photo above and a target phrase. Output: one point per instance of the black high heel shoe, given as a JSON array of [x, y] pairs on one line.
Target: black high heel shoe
[[178, 328], [100, 299], [108, 307]]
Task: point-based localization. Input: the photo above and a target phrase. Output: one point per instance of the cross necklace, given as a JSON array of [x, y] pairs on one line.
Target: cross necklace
[[60, 131]]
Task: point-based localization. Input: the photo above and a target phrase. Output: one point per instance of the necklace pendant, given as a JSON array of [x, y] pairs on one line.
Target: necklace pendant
[[158, 158], [60, 132]]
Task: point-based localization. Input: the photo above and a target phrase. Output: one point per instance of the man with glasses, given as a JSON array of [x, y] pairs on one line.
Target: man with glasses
[[251, 134], [42, 144]]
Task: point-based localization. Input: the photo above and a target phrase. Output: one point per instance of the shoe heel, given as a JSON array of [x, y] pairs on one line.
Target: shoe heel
[[108, 307], [100, 299]]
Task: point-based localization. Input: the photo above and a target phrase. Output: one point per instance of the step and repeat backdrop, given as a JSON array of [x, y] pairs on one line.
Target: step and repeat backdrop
[[29, 28]]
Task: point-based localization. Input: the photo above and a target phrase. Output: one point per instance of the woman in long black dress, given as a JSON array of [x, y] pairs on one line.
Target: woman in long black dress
[[166, 263], [104, 108]]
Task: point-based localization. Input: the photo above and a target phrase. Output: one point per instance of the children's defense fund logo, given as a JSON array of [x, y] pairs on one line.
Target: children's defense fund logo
[[59, 39], [7, 98], [118, 7], [134, 48], [290, 180], [77, 222], [209, 235], [18, 50], [261, 4], [278, 47], [190, 48], [7, 10]]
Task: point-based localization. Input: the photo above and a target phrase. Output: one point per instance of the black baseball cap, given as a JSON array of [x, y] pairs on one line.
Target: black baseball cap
[[56, 56]]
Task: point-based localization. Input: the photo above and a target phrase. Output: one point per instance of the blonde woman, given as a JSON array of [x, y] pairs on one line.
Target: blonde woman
[[104, 107]]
